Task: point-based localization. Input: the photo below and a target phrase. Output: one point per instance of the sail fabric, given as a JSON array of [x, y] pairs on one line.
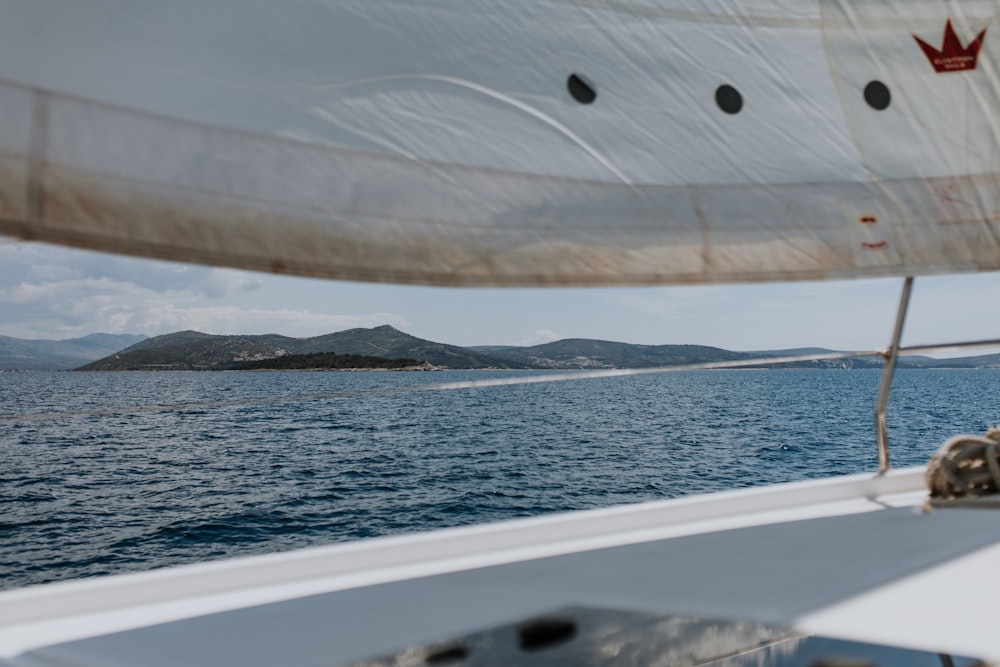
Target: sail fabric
[[449, 143]]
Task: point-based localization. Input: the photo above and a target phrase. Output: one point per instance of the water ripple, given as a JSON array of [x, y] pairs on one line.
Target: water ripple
[[234, 467]]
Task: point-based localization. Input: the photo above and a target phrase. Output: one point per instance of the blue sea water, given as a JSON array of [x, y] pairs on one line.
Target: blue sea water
[[113, 472]]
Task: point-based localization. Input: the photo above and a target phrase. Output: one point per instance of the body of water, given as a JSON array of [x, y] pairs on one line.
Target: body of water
[[154, 469]]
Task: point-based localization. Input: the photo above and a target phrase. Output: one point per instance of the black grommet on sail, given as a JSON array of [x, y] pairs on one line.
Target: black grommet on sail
[[877, 95], [728, 99], [580, 90]]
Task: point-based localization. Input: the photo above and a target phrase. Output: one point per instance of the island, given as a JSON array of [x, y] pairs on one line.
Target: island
[[330, 361]]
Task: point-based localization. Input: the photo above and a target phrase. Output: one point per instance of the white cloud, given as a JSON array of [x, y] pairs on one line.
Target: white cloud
[[666, 303], [167, 317], [51, 292], [34, 263], [57, 293], [221, 282], [539, 337]]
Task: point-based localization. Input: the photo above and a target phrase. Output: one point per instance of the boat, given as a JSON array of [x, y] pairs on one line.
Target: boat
[[535, 143]]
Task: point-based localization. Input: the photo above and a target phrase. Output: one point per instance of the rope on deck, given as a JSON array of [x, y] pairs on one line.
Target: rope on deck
[[966, 466]]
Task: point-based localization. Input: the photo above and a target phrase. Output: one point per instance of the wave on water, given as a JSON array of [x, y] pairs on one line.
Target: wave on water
[[126, 482]]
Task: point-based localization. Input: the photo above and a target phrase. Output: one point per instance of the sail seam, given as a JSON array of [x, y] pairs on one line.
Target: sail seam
[[35, 208]]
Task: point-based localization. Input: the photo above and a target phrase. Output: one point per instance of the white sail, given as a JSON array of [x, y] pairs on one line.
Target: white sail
[[457, 143], [525, 142]]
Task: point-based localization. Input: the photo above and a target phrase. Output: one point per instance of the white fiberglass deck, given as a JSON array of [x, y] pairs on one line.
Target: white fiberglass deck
[[854, 558]]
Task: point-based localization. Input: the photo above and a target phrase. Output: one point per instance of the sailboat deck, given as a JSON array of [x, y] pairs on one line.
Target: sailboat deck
[[855, 557]]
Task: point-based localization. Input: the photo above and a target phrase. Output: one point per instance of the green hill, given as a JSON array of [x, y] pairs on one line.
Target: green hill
[[193, 350], [391, 343], [187, 353], [25, 354], [582, 353]]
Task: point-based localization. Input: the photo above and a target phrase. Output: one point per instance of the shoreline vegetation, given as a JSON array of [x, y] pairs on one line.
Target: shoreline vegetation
[[331, 361]]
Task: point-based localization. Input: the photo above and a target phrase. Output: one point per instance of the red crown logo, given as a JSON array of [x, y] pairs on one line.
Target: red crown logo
[[952, 57]]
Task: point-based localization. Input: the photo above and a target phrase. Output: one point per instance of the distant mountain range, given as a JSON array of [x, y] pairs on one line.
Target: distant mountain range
[[22, 354], [193, 350]]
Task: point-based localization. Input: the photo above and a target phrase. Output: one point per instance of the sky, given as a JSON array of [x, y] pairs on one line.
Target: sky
[[49, 292]]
